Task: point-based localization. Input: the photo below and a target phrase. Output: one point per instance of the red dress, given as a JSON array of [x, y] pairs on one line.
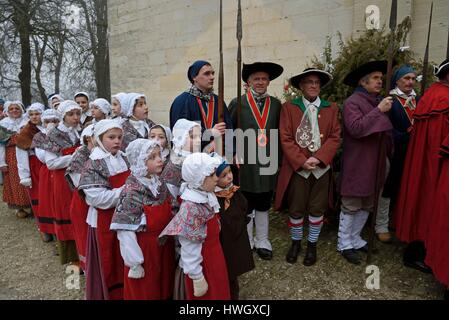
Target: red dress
[[214, 266], [159, 261], [78, 215], [35, 167], [61, 198], [45, 213], [14, 194], [111, 260], [437, 244], [416, 199]]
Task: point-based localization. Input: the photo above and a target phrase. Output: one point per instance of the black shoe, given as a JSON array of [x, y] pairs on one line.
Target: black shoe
[[351, 255], [418, 265], [295, 249], [364, 249], [310, 256], [264, 254]]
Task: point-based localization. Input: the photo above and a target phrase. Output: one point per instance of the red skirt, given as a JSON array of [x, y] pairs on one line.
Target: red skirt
[[214, 266], [62, 197], [35, 167], [45, 215], [111, 260], [14, 194], [78, 215], [159, 261]]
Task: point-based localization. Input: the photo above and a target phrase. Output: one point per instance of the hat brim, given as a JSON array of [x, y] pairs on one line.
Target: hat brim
[[353, 78], [442, 70], [274, 70], [325, 77]]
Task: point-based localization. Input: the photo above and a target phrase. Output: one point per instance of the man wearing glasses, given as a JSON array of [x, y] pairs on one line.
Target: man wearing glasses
[[309, 132]]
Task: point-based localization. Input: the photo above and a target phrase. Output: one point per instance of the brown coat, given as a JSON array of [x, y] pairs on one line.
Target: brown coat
[[295, 156]]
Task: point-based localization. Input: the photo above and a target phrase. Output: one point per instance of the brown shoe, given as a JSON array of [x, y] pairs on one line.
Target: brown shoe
[[384, 237], [21, 214]]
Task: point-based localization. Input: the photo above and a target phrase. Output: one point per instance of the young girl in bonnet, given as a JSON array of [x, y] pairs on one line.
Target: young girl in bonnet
[[100, 109], [44, 215], [163, 136], [27, 162], [186, 140], [116, 105], [197, 227], [14, 194], [78, 205], [101, 181], [142, 213], [59, 146], [135, 120]]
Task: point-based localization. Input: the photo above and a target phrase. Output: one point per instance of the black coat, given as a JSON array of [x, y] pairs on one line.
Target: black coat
[[234, 236]]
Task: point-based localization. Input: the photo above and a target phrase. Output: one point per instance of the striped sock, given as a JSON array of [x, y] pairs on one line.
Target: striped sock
[[315, 224], [296, 228]]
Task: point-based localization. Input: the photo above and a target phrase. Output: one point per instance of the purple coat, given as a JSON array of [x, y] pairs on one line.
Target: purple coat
[[363, 124]]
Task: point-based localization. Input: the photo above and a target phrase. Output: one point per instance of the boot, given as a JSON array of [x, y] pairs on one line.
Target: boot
[[310, 256], [292, 254], [21, 214]]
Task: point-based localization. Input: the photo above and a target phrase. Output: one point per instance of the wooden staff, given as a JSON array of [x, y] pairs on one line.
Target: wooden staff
[[239, 63], [220, 141], [425, 67], [381, 154]]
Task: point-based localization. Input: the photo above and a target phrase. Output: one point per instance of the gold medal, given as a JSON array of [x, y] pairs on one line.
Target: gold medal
[[262, 139]]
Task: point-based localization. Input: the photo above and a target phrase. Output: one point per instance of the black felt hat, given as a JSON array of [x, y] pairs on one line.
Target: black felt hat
[[353, 78], [273, 69], [325, 77]]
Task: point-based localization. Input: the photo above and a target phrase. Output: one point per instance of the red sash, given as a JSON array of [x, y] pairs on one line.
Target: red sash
[[208, 119], [261, 119]]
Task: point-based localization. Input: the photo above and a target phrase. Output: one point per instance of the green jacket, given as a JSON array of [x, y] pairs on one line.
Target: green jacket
[[251, 179]]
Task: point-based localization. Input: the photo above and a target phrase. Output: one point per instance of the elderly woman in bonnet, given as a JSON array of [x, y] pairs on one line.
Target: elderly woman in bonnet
[[197, 227], [14, 194], [59, 146], [101, 182], [143, 211], [44, 215], [135, 120]]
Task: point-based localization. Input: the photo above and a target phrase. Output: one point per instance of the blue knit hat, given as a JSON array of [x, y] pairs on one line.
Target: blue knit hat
[[400, 72], [224, 164], [195, 68]]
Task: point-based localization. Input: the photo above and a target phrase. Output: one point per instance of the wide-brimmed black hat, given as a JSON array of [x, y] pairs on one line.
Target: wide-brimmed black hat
[[325, 77], [353, 78], [273, 69], [442, 69]]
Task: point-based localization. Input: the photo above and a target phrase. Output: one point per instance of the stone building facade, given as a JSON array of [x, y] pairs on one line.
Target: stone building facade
[[152, 42]]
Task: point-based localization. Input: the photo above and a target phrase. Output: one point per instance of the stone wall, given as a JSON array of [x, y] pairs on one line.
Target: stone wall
[[152, 42]]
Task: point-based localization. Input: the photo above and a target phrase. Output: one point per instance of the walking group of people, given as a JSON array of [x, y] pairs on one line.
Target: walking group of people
[[152, 212]]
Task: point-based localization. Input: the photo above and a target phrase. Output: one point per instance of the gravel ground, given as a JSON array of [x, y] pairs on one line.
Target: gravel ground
[[29, 269]]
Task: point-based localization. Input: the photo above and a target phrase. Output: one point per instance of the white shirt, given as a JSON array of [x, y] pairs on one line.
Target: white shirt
[[141, 126]]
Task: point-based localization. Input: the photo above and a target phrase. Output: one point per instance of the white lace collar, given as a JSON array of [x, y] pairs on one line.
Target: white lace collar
[[153, 183], [199, 196]]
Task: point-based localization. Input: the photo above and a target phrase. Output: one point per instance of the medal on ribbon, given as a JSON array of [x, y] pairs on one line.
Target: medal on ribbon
[[261, 119]]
